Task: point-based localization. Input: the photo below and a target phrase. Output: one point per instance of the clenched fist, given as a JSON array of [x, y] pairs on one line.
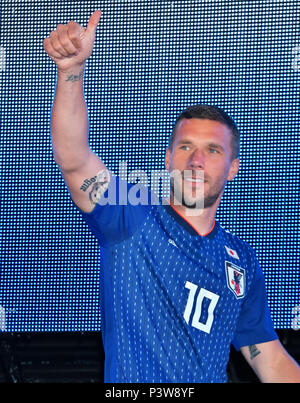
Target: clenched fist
[[71, 45]]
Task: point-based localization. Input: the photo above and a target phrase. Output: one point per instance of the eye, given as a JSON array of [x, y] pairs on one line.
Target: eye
[[213, 151], [183, 147]]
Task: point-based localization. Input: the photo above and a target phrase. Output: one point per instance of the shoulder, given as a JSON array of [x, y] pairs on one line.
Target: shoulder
[[235, 243], [119, 212]]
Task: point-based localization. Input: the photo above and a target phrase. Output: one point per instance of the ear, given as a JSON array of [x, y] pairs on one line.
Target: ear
[[167, 159], [233, 169]]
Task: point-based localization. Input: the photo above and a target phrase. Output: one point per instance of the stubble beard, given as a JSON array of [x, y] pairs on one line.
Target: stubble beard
[[204, 201]]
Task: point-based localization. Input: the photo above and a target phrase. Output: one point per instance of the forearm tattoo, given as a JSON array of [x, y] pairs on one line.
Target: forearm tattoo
[[73, 77], [254, 351], [98, 185]]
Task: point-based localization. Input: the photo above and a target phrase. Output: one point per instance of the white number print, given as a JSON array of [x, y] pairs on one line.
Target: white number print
[[203, 293]]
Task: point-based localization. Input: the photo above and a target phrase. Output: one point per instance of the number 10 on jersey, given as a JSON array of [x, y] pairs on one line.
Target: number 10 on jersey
[[195, 301]]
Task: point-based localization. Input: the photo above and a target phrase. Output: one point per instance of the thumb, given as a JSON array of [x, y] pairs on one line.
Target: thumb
[[93, 22]]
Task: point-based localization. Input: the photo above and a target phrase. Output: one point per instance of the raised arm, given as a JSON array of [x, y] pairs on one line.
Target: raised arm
[[69, 46]]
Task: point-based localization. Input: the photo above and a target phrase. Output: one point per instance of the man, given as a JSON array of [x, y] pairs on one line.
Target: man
[[176, 288]]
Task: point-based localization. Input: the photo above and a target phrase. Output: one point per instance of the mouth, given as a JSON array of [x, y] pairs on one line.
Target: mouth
[[193, 176], [194, 180]]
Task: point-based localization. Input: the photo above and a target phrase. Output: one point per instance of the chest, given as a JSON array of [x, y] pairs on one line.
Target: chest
[[168, 277]]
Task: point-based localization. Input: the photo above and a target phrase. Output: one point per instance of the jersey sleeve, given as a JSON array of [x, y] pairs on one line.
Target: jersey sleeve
[[255, 324], [115, 217]]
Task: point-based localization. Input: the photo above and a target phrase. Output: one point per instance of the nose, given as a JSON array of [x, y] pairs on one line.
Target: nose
[[196, 160]]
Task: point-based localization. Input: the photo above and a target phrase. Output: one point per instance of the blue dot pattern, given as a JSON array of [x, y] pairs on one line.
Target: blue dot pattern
[[160, 281]]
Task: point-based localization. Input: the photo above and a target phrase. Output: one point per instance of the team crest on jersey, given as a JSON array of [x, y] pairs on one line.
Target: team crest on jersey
[[236, 279]]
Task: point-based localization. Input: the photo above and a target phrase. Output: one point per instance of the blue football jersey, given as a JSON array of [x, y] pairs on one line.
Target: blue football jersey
[[172, 301]]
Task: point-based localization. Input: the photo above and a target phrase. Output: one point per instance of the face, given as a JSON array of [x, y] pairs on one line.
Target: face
[[201, 148]]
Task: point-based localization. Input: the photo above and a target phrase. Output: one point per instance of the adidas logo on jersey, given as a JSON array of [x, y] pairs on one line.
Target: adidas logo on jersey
[[172, 242]]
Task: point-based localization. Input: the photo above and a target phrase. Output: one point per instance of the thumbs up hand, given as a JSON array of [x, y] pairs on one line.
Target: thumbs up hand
[[71, 45]]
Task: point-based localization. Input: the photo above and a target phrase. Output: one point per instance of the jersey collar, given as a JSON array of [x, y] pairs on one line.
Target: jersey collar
[[187, 226]]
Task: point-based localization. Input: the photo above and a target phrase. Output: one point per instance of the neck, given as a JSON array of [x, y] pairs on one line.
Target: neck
[[202, 220]]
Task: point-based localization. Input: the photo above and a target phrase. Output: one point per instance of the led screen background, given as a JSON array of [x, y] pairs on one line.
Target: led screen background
[[150, 61]]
